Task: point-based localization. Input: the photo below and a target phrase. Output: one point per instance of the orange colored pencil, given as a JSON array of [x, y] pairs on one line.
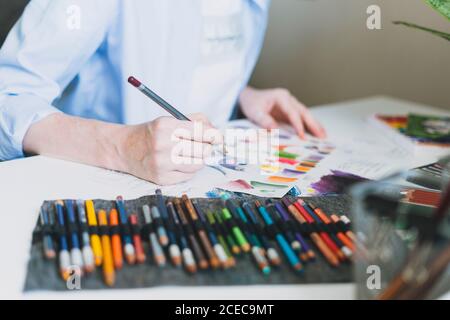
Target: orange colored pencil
[[116, 241]]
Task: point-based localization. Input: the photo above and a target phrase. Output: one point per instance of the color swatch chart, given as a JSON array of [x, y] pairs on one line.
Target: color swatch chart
[[279, 168]]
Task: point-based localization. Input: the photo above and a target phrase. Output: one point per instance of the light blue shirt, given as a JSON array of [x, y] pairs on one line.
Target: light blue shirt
[[76, 59]]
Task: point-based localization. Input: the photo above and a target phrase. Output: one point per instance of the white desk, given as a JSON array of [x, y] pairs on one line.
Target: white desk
[[25, 184]]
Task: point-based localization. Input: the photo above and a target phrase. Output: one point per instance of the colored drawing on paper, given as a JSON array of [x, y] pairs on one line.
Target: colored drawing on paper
[[292, 173], [267, 186], [291, 162], [270, 168], [303, 169], [232, 164], [239, 184], [279, 179], [308, 164], [336, 182], [287, 155]]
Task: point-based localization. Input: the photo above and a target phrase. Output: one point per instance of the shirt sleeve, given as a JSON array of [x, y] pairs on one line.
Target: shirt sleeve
[[42, 54]]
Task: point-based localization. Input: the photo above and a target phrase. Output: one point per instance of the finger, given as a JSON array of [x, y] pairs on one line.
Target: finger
[[312, 124], [288, 106], [200, 117], [193, 149], [196, 131]]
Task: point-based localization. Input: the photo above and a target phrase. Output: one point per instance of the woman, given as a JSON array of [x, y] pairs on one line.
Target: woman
[[64, 91]]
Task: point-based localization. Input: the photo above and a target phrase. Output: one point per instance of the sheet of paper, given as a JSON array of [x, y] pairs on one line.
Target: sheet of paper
[[313, 166], [254, 167]]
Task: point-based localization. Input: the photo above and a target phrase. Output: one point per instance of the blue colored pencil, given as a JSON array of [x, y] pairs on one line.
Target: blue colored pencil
[[271, 252], [75, 250], [64, 256], [284, 245], [128, 248]]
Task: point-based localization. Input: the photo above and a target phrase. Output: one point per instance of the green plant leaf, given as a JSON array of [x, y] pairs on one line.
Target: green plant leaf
[[441, 34], [442, 6]]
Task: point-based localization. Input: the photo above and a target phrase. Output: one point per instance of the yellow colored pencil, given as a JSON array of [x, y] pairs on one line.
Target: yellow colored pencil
[[109, 274], [95, 239]]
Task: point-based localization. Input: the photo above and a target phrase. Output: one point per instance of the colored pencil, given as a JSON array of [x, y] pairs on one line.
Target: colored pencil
[[349, 247], [88, 254], [174, 249], [235, 249], [257, 250], [289, 235], [159, 227], [317, 240], [116, 241], [93, 226], [136, 236], [158, 253], [221, 238], [245, 224], [214, 261], [335, 244], [279, 237], [271, 252], [64, 256], [237, 232], [49, 248], [308, 253], [195, 246], [309, 216], [347, 224], [76, 257], [109, 274], [127, 242], [157, 99], [217, 246], [188, 257]]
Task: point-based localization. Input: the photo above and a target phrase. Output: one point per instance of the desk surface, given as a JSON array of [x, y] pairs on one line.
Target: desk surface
[[26, 183]]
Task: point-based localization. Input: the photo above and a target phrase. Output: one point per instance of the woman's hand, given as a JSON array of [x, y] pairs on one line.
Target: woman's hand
[[267, 108], [168, 151]]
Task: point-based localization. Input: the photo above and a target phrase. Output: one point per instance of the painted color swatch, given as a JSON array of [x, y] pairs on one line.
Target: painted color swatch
[[278, 179], [269, 186], [288, 155], [270, 168], [291, 162], [240, 184], [308, 164], [292, 173]]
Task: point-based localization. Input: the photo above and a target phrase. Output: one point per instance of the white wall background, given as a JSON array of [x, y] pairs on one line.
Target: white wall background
[[322, 51]]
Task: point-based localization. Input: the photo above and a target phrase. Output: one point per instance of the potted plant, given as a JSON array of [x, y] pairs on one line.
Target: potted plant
[[443, 7]]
